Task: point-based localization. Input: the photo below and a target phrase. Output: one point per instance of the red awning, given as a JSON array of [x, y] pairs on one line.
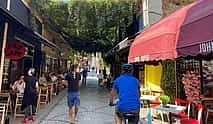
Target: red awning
[[159, 41], [196, 34]]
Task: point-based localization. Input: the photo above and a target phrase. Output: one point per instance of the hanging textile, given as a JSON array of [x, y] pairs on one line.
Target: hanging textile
[[153, 77]]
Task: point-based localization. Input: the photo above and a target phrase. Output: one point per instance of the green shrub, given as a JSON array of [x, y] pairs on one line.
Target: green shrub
[[165, 99], [168, 83]]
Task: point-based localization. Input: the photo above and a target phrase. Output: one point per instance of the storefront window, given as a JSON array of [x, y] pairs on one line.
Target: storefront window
[[5, 79]]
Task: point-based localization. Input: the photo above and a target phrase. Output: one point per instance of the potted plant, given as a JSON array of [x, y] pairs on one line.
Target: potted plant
[[165, 99]]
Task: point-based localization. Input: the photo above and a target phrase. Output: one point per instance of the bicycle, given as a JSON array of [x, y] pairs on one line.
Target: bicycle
[[128, 117]]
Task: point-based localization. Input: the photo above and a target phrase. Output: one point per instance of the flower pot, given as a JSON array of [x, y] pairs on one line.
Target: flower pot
[[165, 105]]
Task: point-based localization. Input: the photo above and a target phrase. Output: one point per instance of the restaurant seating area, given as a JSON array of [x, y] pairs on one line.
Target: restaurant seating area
[[11, 108], [177, 111]]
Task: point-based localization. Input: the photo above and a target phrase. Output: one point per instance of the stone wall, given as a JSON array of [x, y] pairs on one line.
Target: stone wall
[[170, 6]]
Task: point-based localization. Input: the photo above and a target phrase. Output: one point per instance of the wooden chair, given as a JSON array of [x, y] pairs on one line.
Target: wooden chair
[[60, 85], [51, 90], [43, 95], [2, 113], [38, 101], [6, 101], [17, 109]]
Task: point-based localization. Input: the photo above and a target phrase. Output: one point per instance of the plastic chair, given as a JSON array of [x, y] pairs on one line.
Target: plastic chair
[[182, 114], [194, 121], [144, 91], [156, 102], [156, 93], [207, 114]]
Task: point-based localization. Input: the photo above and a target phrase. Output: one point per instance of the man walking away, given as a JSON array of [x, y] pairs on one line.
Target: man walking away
[[73, 98], [84, 74]]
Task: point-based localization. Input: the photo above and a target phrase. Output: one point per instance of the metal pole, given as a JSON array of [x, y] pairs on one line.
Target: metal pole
[[4, 46], [176, 82]]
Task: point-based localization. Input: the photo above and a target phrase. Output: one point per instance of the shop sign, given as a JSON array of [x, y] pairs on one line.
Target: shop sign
[[15, 50], [141, 58], [206, 47]]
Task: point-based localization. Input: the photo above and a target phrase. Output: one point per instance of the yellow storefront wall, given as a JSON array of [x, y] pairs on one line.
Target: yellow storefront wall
[[153, 77]]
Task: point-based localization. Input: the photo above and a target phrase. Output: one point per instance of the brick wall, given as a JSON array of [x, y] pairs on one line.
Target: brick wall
[[47, 34], [170, 6]]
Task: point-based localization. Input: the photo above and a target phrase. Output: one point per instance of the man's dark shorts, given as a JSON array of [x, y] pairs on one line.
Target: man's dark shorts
[[120, 113], [73, 99]]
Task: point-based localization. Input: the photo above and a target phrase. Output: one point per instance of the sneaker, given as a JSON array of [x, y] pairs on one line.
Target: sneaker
[[26, 120], [33, 118]]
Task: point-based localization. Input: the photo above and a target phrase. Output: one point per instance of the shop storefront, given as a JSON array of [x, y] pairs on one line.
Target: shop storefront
[[119, 55], [196, 41], [22, 49], [50, 56], [156, 44]]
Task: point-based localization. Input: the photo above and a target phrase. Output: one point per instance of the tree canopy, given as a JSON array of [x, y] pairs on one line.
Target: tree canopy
[[90, 25]]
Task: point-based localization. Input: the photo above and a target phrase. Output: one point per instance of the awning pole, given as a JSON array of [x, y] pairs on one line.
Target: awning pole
[[176, 82], [4, 42]]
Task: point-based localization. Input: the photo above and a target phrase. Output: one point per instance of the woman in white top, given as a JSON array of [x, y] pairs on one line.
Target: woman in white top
[[19, 85]]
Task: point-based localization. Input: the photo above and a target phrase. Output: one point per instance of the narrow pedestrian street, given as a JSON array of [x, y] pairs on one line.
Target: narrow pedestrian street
[[160, 48], [94, 107]]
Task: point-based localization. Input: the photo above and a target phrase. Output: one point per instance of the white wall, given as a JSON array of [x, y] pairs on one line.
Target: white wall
[[152, 12], [155, 11]]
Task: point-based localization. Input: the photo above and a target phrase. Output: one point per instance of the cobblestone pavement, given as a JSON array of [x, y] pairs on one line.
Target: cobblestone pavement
[[94, 108]]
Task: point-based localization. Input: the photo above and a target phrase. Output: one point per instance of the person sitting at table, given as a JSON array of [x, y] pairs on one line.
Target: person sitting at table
[[43, 80], [54, 79], [19, 85]]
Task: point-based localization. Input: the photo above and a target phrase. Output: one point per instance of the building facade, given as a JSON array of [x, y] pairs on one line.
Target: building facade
[[24, 43]]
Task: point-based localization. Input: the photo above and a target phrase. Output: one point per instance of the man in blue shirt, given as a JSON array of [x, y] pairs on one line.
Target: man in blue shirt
[[73, 98], [128, 89]]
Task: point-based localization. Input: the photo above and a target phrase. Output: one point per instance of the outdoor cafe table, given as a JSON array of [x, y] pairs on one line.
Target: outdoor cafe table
[[170, 109], [148, 98]]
